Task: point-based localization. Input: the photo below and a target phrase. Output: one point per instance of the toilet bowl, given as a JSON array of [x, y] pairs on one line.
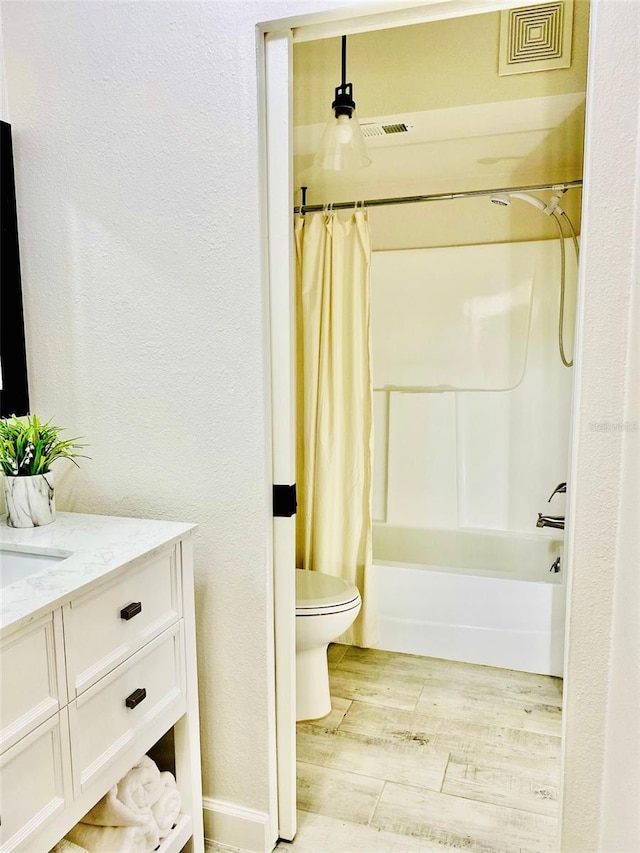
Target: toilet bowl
[[325, 607]]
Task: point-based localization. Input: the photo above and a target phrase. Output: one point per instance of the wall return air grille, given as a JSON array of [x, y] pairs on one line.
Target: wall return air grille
[[536, 38]]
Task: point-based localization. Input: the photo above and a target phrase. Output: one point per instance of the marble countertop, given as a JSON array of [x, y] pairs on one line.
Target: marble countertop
[[95, 544]]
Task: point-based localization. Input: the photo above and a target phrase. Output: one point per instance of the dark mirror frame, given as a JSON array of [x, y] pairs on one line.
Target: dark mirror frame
[[14, 396]]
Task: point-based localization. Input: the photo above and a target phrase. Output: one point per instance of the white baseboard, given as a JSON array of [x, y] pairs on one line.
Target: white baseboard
[[237, 827]]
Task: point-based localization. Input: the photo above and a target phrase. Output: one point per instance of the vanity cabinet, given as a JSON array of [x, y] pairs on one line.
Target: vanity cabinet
[[108, 623], [91, 685], [36, 783], [33, 678]]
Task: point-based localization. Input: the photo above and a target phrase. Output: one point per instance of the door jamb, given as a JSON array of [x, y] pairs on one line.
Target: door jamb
[[366, 17]]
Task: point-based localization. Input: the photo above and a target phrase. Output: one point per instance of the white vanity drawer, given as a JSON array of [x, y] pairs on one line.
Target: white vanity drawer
[[108, 624], [36, 783], [33, 681], [108, 717]]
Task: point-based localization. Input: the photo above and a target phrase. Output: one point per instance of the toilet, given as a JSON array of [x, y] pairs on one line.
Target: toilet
[[325, 607]]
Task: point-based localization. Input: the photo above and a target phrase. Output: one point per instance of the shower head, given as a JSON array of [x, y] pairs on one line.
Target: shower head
[[531, 200], [504, 200]]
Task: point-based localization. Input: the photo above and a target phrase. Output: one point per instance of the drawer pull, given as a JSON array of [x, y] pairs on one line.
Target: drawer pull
[[136, 697], [131, 610]]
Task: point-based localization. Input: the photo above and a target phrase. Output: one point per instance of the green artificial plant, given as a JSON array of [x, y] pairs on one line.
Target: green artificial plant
[[29, 447]]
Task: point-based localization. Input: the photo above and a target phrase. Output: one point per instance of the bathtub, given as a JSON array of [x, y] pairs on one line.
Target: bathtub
[[486, 598]]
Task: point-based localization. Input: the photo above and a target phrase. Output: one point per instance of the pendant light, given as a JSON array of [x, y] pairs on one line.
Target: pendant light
[[342, 145]]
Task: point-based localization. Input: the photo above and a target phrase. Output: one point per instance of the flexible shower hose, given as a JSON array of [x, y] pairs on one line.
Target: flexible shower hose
[[563, 356]]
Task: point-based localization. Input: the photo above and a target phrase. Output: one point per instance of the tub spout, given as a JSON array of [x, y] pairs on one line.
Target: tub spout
[[556, 521]]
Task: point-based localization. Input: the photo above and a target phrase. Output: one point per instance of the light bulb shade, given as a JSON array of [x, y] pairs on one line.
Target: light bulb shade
[[342, 145]]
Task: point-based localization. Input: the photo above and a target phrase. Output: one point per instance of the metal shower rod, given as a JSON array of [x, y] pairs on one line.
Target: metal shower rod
[[412, 199]]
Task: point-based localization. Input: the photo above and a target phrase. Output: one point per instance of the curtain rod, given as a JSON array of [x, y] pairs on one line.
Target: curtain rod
[[412, 199]]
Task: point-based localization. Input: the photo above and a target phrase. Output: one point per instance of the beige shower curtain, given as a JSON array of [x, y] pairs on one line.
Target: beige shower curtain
[[335, 404]]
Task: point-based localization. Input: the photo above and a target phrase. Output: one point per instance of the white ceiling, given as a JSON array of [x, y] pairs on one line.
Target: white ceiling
[[470, 128], [507, 143]]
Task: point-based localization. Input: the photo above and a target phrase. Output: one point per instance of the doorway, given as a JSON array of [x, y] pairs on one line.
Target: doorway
[[282, 43]]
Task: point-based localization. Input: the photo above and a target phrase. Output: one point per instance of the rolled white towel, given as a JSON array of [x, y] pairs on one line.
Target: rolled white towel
[[167, 808], [66, 846], [116, 839], [142, 785], [129, 802], [110, 811]]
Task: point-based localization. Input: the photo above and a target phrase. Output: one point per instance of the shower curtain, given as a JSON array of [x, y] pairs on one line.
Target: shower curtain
[[335, 404]]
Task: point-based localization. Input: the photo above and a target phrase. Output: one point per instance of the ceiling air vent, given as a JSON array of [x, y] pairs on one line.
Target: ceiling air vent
[[536, 38], [378, 129], [395, 128]]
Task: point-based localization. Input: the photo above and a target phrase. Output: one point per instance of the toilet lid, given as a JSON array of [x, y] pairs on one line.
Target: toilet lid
[[314, 590]]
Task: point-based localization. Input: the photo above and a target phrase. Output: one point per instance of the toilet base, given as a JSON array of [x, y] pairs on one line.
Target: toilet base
[[312, 684]]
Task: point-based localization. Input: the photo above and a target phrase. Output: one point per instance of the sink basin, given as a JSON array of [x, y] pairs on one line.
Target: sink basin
[[16, 565]]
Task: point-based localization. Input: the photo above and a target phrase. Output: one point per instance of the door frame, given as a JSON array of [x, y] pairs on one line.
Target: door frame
[[593, 356]]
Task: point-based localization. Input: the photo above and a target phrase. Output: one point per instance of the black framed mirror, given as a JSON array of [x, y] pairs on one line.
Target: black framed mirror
[[14, 389]]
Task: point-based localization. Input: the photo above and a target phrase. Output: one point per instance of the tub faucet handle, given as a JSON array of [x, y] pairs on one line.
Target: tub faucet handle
[[561, 489]]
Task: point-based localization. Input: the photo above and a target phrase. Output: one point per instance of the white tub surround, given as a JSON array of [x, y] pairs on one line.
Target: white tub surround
[[30, 501], [486, 450], [486, 598], [97, 642]]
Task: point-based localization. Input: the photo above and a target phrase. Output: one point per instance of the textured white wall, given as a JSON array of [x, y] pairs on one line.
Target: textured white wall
[[137, 173], [620, 828], [602, 695], [4, 105]]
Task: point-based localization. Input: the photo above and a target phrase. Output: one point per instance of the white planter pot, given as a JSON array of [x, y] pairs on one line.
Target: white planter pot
[[30, 500]]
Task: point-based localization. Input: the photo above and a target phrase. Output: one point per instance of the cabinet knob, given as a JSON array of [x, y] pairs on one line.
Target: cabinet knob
[[131, 610], [136, 697]]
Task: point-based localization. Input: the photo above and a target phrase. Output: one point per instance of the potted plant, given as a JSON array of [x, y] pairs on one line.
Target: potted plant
[[28, 448]]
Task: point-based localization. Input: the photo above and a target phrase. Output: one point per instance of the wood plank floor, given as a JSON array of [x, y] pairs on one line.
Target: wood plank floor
[[427, 755]]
